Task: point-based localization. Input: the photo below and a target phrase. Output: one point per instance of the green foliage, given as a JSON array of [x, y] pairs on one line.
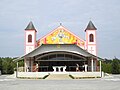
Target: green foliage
[[111, 66], [115, 66], [0, 64], [21, 63], [106, 67], [7, 65]]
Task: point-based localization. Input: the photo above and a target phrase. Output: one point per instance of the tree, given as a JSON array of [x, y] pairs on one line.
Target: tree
[[7, 65], [106, 66], [115, 66], [1, 65]]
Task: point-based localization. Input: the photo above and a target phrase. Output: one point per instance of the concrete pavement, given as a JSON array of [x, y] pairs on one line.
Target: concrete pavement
[[107, 83]]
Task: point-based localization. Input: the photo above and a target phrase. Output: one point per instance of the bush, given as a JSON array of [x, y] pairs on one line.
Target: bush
[[115, 66], [106, 67], [7, 65], [111, 66]]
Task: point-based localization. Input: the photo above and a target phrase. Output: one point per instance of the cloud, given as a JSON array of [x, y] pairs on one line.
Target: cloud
[[47, 14]]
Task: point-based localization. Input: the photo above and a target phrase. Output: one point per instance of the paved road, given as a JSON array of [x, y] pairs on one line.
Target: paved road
[[109, 83]]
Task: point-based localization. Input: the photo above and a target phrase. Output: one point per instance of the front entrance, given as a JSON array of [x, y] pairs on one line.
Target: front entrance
[[60, 66], [60, 61]]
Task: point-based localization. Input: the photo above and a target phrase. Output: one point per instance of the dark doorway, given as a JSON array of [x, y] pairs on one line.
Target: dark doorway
[[71, 65]]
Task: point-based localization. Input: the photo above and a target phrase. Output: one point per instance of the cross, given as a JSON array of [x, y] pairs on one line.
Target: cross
[[91, 51], [60, 24]]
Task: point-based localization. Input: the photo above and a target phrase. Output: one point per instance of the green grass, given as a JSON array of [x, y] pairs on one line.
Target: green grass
[[29, 78], [82, 77], [71, 76], [33, 77], [45, 76]]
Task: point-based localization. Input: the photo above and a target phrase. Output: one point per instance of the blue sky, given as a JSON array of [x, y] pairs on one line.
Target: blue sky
[[46, 16]]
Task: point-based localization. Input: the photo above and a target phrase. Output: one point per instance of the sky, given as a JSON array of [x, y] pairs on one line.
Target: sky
[[46, 15]]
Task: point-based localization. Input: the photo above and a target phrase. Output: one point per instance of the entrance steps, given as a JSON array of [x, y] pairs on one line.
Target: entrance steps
[[58, 77]]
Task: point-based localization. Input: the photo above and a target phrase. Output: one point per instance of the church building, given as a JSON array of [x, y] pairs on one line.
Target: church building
[[61, 50]]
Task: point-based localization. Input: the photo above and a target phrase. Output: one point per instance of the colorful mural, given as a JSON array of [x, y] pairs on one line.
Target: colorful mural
[[61, 36]]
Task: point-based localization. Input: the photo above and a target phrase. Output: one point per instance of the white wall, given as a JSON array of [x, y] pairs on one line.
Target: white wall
[[30, 46], [93, 51], [91, 46], [32, 74]]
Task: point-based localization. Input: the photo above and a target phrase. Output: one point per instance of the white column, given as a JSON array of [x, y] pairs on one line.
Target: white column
[[25, 66], [92, 65], [59, 69], [64, 69], [54, 68], [17, 70], [100, 66], [37, 67], [85, 67], [100, 69]]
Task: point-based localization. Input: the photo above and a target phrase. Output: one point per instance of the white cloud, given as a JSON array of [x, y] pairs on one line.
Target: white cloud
[[46, 15]]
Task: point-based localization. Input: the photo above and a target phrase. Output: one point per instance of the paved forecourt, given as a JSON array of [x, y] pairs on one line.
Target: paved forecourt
[[110, 83]]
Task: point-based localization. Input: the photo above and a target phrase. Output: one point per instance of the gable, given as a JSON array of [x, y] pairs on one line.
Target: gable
[[61, 36]]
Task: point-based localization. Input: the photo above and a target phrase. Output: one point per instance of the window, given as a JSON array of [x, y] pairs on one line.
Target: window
[[52, 57], [60, 56], [91, 38], [29, 38]]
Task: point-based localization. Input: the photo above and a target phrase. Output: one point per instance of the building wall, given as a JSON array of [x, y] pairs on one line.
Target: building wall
[[91, 46], [30, 46], [69, 38]]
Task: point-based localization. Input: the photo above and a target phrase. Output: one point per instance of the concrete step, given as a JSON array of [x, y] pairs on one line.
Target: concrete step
[[58, 77]]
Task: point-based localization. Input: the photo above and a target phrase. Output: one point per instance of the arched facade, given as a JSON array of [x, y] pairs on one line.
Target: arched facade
[[60, 58]]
